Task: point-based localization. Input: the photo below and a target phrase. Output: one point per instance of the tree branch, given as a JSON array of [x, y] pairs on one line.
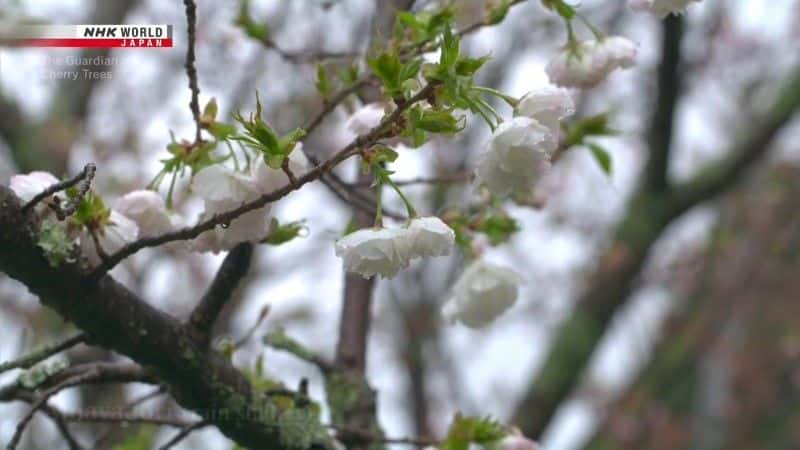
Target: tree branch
[[670, 81], [279, 340], [183, 434], [200, 379], [233, 269], [191, 70], [718, 177], [54, 414], [28, 361], [41, 402]]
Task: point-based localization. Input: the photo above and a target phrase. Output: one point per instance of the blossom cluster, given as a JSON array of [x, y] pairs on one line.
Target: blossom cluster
[[143, 213], [385, 251], [518, 153]]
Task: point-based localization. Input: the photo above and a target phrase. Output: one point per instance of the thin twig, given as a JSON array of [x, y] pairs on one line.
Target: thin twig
[[307, 56], [117, 417], [85, 176], [53, 413], [342, 190], [28, 361], [74, 376], [41, 402], [373, 438], [329, 105], [353, 148], [101, 441], [186, 431], [249, 334], [191, 70], [461, 177], [279, 340], [146, 397]]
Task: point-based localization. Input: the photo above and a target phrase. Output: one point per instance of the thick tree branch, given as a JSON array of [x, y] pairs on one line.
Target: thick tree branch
[[748, 150], [670, 79], [199, 378], [233, 269]]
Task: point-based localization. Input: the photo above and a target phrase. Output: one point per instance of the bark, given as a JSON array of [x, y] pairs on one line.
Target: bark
[[113, 317]]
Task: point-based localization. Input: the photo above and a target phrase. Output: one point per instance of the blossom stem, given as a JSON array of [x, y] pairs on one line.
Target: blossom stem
[[379, 202], [599, 35], [506, 98], [385, 178], [232, 154], [494, 112]]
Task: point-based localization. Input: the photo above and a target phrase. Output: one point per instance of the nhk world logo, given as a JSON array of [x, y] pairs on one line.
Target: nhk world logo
[[87, 36]]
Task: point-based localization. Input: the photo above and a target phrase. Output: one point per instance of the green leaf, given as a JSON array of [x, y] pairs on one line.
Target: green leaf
[[274, 161], [384, 154], [323, 83], [597, 125], [472, 430], [283, 233], [210, 111], [222, 130], [423, 26], [257, 31], [602, 157], [498, 228], [91, 209], [261, 138], [468, 66], [143, 439], [410, 69], [387, 67], [450, 51], [562, 8], [290, 140], [437, 120]]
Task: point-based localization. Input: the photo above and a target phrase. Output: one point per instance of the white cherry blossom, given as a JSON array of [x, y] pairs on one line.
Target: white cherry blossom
[[548, 105], [585, 64], [371, 251], [147, 210], [29, 185], [366, 118], [429, 237], [483, 292], [517, 155], [268, 179], [224, 189], [517, 442], [112, 236]]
